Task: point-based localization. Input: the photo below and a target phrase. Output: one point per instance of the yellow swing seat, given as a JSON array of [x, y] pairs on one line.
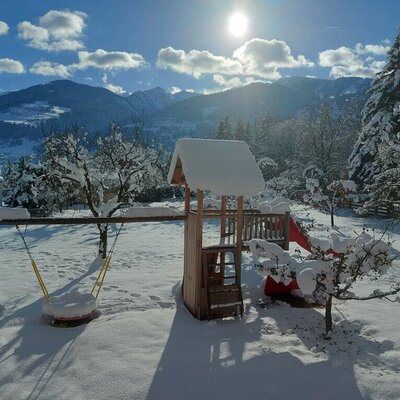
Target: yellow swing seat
[[72, 306]]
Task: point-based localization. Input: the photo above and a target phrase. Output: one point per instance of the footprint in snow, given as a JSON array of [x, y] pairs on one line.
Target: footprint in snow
[[154, 297], [165, 304], [135, 295]]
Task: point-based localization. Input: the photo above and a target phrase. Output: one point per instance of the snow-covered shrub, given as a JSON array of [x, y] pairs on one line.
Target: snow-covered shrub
[[268, 167], [351, 261], [285, 185], [327, 196], [28, 184], [333, 269], [24, 184], [211, 203]]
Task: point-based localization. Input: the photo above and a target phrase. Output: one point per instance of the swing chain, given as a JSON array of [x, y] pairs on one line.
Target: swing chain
[[106, 264]]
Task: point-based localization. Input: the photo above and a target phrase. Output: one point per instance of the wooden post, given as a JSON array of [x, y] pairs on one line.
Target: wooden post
[[223, 215], [239, 234], [223, 234], [199, 247], [286, 231], [187, 199]]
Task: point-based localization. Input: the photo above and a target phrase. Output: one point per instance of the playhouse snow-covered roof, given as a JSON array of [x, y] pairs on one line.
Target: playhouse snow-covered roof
[[224, 167]]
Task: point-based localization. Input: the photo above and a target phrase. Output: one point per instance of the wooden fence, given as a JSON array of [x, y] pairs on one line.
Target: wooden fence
[[385, 209]]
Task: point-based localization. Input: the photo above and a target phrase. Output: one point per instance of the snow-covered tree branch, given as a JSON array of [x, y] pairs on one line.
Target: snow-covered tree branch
[[110, 173]]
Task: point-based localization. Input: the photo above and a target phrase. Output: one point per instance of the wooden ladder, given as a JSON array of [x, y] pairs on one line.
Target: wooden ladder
[[222, 283]]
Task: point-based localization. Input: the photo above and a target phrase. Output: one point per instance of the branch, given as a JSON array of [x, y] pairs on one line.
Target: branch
[[379, 295]]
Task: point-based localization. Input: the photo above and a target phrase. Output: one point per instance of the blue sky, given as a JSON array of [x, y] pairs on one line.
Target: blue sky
[[136, 45]]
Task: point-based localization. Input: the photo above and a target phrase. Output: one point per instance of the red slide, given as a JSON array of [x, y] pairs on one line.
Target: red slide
[[296, 235], [271, 287]]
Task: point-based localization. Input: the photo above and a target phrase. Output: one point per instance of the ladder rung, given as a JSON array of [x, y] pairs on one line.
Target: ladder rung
[[213, 278], [236, 303], [218, 264]]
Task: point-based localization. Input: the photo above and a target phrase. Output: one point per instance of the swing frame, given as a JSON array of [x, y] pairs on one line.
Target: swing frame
[[95, 289]]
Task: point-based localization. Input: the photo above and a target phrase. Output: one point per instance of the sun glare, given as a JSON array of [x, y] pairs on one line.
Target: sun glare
[[238, 24]]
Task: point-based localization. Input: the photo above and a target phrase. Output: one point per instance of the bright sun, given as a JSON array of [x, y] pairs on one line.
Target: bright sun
[[238, 24]]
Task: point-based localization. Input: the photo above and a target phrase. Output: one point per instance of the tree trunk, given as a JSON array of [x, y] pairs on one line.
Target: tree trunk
[[103, 229], [328, 318], [332, 211]]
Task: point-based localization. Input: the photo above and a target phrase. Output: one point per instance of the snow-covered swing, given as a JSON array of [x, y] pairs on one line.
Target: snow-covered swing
[[72, 306]]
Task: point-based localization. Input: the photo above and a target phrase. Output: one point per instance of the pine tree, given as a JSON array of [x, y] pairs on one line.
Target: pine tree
[[240, 129], [224, 131], [23, 185], [375, 160], [259, 141], [249, 132]]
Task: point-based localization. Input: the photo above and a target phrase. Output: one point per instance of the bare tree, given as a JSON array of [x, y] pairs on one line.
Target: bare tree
[[110, 176]]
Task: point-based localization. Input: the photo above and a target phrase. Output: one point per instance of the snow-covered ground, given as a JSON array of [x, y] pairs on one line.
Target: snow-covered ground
[[145, 344]]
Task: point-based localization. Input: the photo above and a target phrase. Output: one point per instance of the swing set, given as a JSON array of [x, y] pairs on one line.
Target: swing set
[[71, 306]]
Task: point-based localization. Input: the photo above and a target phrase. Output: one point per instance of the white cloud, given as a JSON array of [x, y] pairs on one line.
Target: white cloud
[[230, 83], [174, 89], [377, 49], [359, 61], [56, 31], [8, 65], [109, 60], [261, 57], [338, 71], [3, 28], [177, 89], [47, 68], [342, 56], [196, 63], [113, 88], [63, 24], [257, 57]]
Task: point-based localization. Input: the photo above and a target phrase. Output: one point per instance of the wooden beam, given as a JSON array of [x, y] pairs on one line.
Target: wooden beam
[[239, 232], [199, 248], [89, 220], [223, 215], [286, 231], [187, 199]]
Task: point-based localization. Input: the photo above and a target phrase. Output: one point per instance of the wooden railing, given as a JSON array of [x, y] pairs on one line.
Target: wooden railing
[[271, 227]]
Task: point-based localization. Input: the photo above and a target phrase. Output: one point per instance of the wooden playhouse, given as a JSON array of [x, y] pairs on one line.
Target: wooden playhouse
[[212, 274]]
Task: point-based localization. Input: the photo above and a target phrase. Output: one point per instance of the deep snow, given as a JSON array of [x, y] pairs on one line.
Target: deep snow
[[145, 345]]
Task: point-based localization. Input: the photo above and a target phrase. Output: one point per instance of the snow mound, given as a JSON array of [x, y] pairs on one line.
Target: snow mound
[[140, 212], [265, 207], [280, 208], [212, 203], [274, 207], [70, 305], [278, 200], [13, 213]]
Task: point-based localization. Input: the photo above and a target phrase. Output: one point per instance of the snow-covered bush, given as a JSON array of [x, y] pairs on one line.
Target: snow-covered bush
[[24, 184], [110, 173], [333, 269], [327, 196], [268, 167], [285, 185]]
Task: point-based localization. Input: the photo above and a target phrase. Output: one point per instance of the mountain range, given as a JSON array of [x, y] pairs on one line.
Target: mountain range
[[61, 103]]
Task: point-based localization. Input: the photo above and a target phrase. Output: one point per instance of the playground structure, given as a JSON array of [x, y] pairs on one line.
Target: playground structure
[[211, 286], [212, 274]]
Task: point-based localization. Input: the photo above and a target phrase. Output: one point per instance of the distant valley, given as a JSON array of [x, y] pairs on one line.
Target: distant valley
[[27, 113]]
